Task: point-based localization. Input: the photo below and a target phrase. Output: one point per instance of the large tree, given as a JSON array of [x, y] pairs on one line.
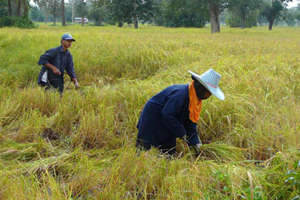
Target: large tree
[[184, 13], [119, 11], [243, 8], [63, 19], [26, 5], [143, 10], [290, 16], [3, 9], [68, 12], [298, 15], [9, 8], [81, 9], [272, 8], [54, 9], [36, 14], [19, 7], [234, 19], [132, 11], [99, 11], [44, 5], [215, 8]]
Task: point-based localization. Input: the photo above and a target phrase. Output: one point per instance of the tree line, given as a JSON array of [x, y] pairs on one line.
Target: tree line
[[170, 13]]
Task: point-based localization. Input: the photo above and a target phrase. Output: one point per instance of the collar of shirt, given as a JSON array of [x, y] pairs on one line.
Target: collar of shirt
[[61, 49]]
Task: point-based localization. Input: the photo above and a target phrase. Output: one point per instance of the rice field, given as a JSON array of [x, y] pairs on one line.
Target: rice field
[[82, 145]]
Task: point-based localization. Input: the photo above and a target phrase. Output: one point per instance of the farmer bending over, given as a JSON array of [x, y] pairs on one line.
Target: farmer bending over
[[55, 61], [174, 112]]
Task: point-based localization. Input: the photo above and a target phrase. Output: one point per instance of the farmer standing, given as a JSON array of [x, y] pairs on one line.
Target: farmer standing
[[174, 112], [55, 61]]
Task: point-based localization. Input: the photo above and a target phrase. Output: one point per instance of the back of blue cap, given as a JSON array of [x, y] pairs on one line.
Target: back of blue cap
[[67, 36]]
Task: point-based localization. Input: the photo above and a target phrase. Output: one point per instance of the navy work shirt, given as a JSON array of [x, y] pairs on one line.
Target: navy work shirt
[[60, 59], [166, 117]]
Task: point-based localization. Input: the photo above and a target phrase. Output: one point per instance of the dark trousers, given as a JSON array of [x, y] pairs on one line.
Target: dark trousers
[[143, 145]]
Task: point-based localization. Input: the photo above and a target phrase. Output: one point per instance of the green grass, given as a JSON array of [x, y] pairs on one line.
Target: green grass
[[81, 146]]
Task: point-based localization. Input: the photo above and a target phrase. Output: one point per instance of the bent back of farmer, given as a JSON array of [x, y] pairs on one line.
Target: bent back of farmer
[[55, 61], [174, 112]]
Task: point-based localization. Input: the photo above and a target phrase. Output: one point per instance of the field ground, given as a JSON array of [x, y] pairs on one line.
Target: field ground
[[81, 146]]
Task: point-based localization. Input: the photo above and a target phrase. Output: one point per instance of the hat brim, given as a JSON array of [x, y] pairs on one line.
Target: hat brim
[[70, 39], [216, 91]]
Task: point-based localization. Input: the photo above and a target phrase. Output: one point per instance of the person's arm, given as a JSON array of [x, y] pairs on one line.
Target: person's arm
[[192, 136], [71, 72], [55, 70], [172, 109], [45, 60]]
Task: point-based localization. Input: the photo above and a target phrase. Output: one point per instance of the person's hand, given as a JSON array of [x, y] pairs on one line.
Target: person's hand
[[198, 146], [77, 85], [56, 71], [198, 151]]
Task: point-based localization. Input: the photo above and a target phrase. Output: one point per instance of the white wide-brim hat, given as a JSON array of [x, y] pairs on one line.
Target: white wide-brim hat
[[210, 80]]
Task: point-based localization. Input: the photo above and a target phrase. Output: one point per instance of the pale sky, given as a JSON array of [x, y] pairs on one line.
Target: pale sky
[[293, 4]]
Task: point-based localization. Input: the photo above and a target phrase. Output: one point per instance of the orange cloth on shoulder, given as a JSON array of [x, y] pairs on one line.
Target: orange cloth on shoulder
[[195, 104]]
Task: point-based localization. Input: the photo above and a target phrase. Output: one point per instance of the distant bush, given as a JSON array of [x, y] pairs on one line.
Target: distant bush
[[24, 23], [7, 21], [20, 22], [184, 20]]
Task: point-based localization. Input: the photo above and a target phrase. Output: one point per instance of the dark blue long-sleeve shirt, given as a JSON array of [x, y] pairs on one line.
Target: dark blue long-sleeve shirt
[[166, 117], [60, 59]]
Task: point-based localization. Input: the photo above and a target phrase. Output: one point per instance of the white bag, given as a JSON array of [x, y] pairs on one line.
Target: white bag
[[45, 76]]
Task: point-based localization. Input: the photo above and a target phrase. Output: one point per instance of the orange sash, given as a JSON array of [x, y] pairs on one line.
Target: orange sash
[[195, 104]]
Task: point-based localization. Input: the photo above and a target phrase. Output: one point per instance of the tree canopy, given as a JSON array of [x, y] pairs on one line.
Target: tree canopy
[[170, 13]]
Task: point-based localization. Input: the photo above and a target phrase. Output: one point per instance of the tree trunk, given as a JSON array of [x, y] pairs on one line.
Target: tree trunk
[[46, 17], [99, 21], [72, 13], [120, 24], [19, 8], [9, 7], [82, 20], [25, 8], [63, 19], [54, 20], [214, 17], [271, 22], [136, 22], [135, 18], [243, 21]]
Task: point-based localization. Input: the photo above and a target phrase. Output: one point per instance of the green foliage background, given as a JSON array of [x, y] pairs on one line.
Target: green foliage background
[[82, 145]]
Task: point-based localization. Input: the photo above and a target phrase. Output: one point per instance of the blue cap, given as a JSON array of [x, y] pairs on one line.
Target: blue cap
[[67, 36]]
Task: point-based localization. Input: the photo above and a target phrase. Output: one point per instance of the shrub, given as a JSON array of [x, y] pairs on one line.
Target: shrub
[[20, 22], [7, 21], [24, 23]]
